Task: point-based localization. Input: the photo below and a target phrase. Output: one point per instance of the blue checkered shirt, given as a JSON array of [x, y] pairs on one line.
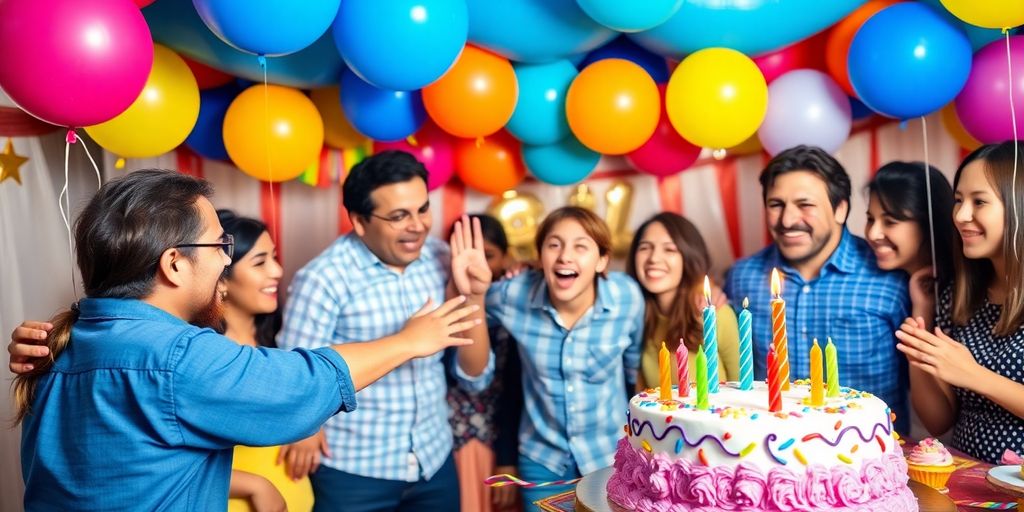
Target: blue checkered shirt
[[574, 380], [346, 294], [851, 300]]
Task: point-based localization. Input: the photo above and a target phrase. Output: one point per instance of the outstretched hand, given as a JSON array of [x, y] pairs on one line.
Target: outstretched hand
[[432, 329], [937, 354], [470, 272]]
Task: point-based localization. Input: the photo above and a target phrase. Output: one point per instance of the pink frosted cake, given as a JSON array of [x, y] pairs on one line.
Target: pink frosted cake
[[739, 456]]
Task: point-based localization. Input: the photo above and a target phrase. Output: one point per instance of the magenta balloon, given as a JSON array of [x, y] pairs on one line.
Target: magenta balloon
[[665, 153], [433, 148], [74, 62], [983, 105]]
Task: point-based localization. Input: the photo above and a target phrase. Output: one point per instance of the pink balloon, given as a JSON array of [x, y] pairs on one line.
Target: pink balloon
[[74, 62], [433, 148], [983, 105], [665, 153]]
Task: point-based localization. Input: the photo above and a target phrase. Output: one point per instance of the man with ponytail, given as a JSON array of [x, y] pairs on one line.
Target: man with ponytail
[[137, 404]]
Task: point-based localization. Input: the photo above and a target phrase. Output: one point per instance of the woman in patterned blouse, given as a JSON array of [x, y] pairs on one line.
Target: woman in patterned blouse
[[968, 374]]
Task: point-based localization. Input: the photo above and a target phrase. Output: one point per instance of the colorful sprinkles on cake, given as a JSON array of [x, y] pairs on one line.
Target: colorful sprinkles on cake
[[799, 456]]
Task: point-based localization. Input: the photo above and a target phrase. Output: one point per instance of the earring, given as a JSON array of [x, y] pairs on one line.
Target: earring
[[223, 295]]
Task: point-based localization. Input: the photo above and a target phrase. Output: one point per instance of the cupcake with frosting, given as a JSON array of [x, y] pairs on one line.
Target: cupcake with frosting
[[930, 463]]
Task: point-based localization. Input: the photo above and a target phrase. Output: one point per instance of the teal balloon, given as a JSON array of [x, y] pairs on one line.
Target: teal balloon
[[539, 117], [562, 163], [630, 16], [749, 26], [534, 31]]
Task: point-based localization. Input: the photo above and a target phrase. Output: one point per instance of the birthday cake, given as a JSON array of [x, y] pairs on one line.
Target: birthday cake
[[737, 455]]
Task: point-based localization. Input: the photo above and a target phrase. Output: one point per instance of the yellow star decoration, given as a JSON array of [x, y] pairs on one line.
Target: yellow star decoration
[[10, 162]]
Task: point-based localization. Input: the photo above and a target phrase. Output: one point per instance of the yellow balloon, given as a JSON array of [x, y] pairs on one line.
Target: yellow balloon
[[160, 118], [951, 122], [716, 97], [338, 132], [273, 133], [988, 13]]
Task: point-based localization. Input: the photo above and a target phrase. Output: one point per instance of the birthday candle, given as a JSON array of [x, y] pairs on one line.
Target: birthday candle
[[779, 339], [665, 367], [683, 368], [710, 338], [832, 366], [774, 387], [746, 349], [702, 379], [817, 382]]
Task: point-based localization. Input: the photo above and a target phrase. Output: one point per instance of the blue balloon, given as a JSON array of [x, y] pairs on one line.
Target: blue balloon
[[207, 136], [749, 26], [906, 61], [378, 113], [630, 16], [539, 117], [268, 27], [401, 45], [534, 31], [562, 163], [858, 110], [175, 24], [978, 36], [623, 47]]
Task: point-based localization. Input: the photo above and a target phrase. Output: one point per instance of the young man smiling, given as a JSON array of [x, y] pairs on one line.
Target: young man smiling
[[832, 286]]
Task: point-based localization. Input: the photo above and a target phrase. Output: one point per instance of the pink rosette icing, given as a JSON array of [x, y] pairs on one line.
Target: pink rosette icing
[[679, 478], [930, 452], [849, 488], [785, 490], [702, 486], [749, 487], [661, 471], [723, 478], [819, 487]]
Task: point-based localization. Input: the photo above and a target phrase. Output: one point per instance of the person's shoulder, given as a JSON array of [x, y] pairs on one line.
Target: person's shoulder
[[624, 288], [750, 266]]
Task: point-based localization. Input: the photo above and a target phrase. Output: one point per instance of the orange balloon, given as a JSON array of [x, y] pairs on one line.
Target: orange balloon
[[951, 122], [492, 165], [338, 132], [613, 106], [748, 147], [837, 48], [476, 97]]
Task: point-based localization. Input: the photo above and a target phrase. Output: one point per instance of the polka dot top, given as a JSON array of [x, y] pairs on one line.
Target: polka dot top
[[983, 429]]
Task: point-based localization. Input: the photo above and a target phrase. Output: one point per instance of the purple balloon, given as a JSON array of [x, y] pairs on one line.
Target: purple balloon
[[74, 62], [805, 107], [983, 105]]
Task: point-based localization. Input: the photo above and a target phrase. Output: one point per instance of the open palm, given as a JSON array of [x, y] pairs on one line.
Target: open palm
[[470, 272]]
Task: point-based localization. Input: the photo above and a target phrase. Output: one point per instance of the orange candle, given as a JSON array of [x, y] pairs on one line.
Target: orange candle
[[665, 369], [817, 379], [779, 340]]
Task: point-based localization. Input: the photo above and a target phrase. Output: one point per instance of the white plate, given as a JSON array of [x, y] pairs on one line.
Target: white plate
[[1009, 475]]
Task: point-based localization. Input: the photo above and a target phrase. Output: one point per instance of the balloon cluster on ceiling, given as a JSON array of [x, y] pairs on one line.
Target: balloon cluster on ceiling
[[487, 90]]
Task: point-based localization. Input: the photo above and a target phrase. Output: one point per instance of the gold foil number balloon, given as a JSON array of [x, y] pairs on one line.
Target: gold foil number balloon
[[619, 201], [583, 197], [520, 214]]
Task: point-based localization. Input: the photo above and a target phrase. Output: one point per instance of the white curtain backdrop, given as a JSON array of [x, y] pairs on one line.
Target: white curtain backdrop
[[35, 279]]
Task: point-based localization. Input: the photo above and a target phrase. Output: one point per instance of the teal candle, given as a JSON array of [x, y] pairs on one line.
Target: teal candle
[[711, 338], [746, 349]]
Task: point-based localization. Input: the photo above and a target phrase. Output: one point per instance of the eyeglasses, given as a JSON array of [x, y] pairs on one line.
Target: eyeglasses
[[227, 245], [402, 220]]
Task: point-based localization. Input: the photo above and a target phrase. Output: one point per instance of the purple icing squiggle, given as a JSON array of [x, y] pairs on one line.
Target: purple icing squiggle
[[637, 427], [860, 433], [643, 482]]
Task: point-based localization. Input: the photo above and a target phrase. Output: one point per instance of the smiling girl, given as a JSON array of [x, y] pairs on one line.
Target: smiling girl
[[968, 374]]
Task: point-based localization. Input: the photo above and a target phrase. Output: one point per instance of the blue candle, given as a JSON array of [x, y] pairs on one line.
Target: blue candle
[[746, 349], [710, 338]]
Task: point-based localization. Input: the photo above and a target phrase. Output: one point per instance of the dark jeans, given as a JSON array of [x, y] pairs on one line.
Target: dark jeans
[[337, 491]]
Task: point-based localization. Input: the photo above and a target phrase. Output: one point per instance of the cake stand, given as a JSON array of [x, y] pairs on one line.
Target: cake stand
[[592, 496], [1006, 479]]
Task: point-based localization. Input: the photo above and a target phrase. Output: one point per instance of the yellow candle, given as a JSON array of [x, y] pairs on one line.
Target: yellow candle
[[665, 367], [817, 379]]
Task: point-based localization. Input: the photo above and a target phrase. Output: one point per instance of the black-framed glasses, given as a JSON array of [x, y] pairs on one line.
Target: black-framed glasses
[[402, 220], [227, 244]]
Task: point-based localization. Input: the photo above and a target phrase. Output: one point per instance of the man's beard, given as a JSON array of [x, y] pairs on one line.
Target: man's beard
[[818, 244], [212, 314]]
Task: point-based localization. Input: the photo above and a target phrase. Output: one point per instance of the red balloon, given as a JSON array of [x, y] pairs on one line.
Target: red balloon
[[806, 54], [666, 152], [433, 148], [143, 3], [206, 76]]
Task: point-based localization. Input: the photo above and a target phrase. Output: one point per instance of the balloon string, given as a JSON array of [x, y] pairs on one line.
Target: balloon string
[[1013, 120], [66, 216], [931, 220], [270, 166], [99, 180]]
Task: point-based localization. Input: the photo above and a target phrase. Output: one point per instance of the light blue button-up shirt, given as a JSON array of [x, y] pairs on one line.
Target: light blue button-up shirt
[[142, 410]]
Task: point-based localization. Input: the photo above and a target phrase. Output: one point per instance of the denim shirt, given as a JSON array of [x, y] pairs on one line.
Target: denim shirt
[[141, 411]]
